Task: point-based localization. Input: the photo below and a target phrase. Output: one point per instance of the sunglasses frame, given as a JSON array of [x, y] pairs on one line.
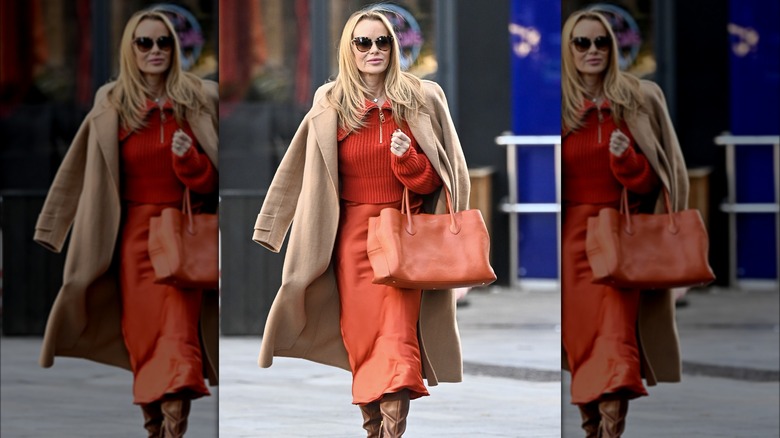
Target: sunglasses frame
[[603, 43], [159, 42], [361, 43]]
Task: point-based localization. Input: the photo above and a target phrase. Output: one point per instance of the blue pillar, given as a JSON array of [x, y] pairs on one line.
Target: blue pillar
[[535, 27]]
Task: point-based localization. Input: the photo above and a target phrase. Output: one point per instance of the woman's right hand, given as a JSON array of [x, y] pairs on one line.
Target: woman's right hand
[[618, 143]]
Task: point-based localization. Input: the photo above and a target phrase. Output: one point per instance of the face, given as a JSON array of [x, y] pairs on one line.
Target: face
[[374, 61], [154, 60], [593, 59]]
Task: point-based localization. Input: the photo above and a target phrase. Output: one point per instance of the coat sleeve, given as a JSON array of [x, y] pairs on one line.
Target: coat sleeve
[[459, 173], [59, 209], [278, 209]]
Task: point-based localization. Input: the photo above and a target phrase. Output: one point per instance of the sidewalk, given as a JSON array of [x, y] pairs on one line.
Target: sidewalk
[[730, 345], [511, 387]]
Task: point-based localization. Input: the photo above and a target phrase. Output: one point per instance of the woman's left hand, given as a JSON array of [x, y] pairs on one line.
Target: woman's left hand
[[618, 143], [399, 143], [181, 143]]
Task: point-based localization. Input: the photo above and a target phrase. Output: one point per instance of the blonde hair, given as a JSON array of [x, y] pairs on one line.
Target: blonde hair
[[621, 89], [402, 89], [130, 92]]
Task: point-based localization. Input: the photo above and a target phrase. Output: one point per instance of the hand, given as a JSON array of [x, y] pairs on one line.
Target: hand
[[399, 143], [618, 143], [181, 143]]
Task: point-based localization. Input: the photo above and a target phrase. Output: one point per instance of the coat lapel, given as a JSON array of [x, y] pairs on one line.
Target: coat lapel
[[325, 124], [203, 128], [641, 129], [106, 125], [423, 133]]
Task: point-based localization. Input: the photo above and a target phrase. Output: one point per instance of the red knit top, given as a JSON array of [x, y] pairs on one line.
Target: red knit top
[[370, 173], [151, 173], [591, 173]]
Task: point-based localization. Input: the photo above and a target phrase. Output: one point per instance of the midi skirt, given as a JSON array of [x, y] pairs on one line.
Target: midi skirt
[[378, 322], [599, 321], [160, 323]]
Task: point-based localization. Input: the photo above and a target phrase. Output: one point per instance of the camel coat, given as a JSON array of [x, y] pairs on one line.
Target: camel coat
[[85, 320], [653, 132], [304, 317]]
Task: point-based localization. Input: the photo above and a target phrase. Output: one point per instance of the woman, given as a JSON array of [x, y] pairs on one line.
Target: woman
[[616, 133], [371, 132], [150, 134]]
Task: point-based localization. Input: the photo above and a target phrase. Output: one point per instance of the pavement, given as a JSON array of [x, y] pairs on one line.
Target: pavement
[[512, 384]]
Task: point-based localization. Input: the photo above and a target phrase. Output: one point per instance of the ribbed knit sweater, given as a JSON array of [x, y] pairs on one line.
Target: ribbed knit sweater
[[591, 173], [370, 173], [151, 173]]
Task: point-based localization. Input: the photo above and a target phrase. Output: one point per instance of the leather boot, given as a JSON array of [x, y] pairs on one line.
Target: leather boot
[[175, 411], [153, 419], [372, 419], [590, 419], [394, 408], [613, 418]]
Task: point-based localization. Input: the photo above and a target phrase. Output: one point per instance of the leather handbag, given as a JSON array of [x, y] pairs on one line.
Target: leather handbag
[[429, 251], [184, 247], [648, 251]]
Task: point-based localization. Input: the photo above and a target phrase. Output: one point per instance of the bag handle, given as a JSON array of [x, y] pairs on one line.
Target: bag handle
[[186, 208], [625, 211], [405, 209]]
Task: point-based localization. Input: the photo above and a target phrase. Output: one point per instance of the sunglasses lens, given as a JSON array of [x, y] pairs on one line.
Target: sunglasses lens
[[602, 42], [582, 44], [363, 44], [383, 43], [165, 43], [144, 44]]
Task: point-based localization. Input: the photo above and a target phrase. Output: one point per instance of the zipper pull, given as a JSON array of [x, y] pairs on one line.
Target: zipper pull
[[381, 121], [601, 119], [162, 125]]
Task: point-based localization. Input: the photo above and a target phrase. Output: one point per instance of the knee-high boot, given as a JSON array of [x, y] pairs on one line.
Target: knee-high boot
[[176, 411], [372, 419], [394, 408], [613, 417], [153, 419], [590, 419]]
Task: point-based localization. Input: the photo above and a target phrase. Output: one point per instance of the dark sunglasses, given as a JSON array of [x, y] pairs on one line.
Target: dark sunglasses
[[364, 44], [145, 44], [582, 44]]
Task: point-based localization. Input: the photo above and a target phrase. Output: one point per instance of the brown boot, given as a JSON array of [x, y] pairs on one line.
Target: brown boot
[[590, 419], [153, 419], [372, 419], [175, 411], [613, 417], [394, 408]]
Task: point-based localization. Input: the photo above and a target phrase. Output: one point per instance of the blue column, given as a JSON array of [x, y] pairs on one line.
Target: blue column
[[755, 110], [535, 28]]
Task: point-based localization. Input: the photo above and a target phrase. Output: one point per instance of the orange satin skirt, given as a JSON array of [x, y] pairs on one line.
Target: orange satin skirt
[[378, 322], [599, 322], [159, 323]]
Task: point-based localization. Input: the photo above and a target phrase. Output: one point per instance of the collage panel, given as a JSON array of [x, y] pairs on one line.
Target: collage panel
[[109, 120]]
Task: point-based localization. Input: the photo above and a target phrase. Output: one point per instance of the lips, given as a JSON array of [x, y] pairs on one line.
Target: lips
[[157, 61], [375, 61]]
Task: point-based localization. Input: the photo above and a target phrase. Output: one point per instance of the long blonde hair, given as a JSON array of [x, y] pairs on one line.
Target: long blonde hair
[[402, 89], [130, 92], [621, 89]]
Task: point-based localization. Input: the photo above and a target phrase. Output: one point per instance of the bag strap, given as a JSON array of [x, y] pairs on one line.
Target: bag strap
[[624, 210], [186, 208], [405, 209]]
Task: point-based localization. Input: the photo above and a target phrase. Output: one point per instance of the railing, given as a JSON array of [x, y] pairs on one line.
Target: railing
[[515, 208], [732, 207]]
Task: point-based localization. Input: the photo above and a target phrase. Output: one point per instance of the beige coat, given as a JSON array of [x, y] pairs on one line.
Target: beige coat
[[85, 320], [653, 132], [304, 318]]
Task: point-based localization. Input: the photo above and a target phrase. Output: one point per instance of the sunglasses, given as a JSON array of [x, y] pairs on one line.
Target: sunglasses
[[145, 44], [582, 44], [364, 44]]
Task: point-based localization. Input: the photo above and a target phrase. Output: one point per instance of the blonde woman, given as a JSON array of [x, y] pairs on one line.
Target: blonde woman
[[150, 134], [371, 132], [616, 133]]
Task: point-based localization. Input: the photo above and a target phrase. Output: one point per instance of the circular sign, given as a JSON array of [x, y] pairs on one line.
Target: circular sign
[[188, 30], [408, 31], [629, 39]]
